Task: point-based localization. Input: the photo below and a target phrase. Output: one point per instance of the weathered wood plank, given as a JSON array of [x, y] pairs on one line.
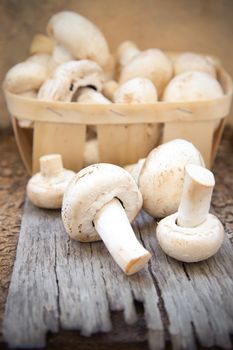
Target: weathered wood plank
[[198, 298], [58, 283], [32, 309]]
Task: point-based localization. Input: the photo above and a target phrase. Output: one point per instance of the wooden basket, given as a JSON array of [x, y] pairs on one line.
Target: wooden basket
[[125, 132]]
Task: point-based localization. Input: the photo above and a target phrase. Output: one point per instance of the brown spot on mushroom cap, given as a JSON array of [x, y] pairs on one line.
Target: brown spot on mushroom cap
[[192, 86]]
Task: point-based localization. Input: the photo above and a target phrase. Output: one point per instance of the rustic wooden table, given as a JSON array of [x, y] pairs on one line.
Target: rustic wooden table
[[186, 306]]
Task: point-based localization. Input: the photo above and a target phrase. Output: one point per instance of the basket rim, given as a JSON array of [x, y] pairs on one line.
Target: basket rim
[[99, 114]]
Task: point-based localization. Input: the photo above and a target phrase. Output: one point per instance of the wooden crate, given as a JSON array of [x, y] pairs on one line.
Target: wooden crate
[[125, 132]]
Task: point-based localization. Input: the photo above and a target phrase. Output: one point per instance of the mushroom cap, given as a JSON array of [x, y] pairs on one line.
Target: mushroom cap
[[68, 77], [192, 86], [92, 188], [79, 36], [48, 192], [190, 244], [152, 64], [136, 90], [162, 176], [25, 76], [191, 61]]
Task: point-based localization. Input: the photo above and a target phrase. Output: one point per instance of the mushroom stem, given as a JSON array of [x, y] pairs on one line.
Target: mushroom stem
[[113, 226], [196, 197], [51, 165], [126, 51], [109, 88]]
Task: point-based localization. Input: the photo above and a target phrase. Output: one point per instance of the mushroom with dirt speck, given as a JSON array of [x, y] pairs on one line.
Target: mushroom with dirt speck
[[99, 203], [136, 90], [192, 86]]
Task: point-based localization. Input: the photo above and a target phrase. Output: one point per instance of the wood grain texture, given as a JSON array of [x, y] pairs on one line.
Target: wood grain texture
[[58, 283], [67, 140], [127, 143]]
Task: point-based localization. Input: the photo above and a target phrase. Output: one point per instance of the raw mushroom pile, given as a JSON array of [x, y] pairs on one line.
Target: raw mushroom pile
[[101, 200], [73, 63]]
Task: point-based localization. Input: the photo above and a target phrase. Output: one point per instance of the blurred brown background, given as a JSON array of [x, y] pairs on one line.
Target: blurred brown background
[[199, 25]]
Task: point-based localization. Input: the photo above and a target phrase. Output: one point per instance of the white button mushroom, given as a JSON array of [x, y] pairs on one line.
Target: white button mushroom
[[137, 90], [152, 64], [162, 176], [126, 51], [46, 188], [79, 36], [192, 234], [25, 76], [70, 76], [99, 203], [191, 61], [192, 86]]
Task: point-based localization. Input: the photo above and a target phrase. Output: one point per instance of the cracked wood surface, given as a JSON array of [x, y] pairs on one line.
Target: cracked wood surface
[[75, 285]]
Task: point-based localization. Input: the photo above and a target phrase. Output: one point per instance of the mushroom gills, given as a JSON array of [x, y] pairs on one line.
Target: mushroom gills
[[114, 228]]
